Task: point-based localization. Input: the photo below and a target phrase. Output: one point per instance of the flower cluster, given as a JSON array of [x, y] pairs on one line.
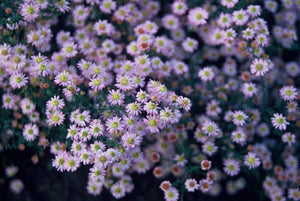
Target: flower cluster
[[200, 93]]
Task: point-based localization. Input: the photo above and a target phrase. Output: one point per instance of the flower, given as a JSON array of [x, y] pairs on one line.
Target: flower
[[197, 16], [16, 186], [30, 132], [238, 136], [205, 185], [179, 7], [171, 194], [240, 17], [229, 3], [191, 185], [206, 74], [259, 67], [114, 124], [115, 97], [59, 162], [294, 193], [56, 118], [29, 11], [288, 93], [279, 121], [189, 44], [210, 128], [18, 80], [251, 160], [170, 22], [131, 140], [153, 123], [55, 103], [231, 167], [249, 89], [11, 171], [288, 138], [239, 118]]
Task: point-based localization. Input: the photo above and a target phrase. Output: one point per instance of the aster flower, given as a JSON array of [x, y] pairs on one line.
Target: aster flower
[[8, 101], [107, 6], [27, 106], [62, 5], [239, 118], [292, 106], [59, 162], [69, 49], [231, 167], [288, 138], [249, 89], [209, 148], [124, 82], [288, 93], [206, 74], [171, 194], [30, 132], [55, 103], [179, 7], [197, 16], [153, 124], [16, 186], [130, 140], [240, 17], [29, 11], [294, 194], [238, 136], [56, 118], [191, 185], [72, 163], [251, 161], [254, 10], [224, 20], [11, 171], [279, 121], [204, 185], [229, 3], [115, 97], [18, 80], [170, 22], [190, 45], [114, 124], [63, 78], [133, 109], [83, 119], [259, 67], [184, 103], [210, 128]]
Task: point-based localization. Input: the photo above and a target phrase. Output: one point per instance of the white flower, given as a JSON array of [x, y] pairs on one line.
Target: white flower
[[251, 160], [288, 93], [279, 121]]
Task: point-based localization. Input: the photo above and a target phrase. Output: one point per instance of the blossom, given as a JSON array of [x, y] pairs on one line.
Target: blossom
[[191, 185], [30, 132], [18, 80], [16, 186], [206, 74], [239, 118], [231, 167], [197, 16], [279, 121], [288, 93], [251, 160], [259, 67], [29, 11], [56, 118], [131, 140]]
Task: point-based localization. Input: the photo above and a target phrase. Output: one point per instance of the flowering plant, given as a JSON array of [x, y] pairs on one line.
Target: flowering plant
[[203, 94]]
